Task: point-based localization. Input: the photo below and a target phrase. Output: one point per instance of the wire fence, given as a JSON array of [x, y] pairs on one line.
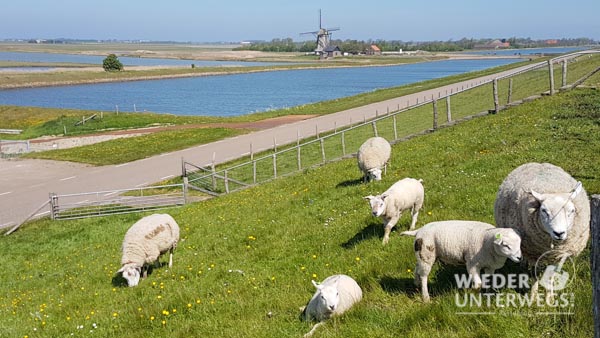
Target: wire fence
[[430, 114], [427, 116]]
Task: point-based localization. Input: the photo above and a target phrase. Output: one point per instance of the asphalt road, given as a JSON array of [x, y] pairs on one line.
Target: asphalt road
[[25, 184]]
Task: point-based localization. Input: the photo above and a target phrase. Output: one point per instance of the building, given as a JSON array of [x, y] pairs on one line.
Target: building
[[331, 52], [373, 50]]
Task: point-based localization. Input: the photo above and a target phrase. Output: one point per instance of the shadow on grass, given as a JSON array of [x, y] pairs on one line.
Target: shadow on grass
[[372, 230], [350, 183], [444, 282]]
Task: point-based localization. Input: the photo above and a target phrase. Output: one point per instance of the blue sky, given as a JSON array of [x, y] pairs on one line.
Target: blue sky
[[238, 20]]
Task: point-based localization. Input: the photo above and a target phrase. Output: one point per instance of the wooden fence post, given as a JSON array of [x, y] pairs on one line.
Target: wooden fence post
[[564, 73], [395, 127], [448, 110], [551, 75], [343, 143], [496, 100], [510, 90], [214, 172], [435, 115], [254, 171], [595, 261], [374, 128], [226, 179], [274, 165], [298, 150], [323, 150]]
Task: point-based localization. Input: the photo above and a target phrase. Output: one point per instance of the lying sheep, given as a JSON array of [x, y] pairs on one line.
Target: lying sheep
[[144, 242], [373, 155], [547, 207], [408, 193], [334, 296], [478, 245]]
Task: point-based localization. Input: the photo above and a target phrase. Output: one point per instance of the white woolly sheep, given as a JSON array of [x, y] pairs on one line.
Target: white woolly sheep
[[475, 244], [547, 207], [373, 156], [408, 193], [144, 242], [334, 296]]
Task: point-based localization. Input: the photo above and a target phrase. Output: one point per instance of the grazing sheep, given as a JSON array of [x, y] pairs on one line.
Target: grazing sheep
[[547, 207], [408, 193], [334, 296], [373, 155], [478, 245], [144, 242]]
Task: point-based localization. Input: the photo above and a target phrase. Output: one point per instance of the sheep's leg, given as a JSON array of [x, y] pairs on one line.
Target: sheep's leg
[[171, 257], [474, 272], [388, 227], [415, 214], [421, 274], [310, 333]]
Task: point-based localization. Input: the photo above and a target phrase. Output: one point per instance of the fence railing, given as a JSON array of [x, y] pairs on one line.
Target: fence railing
[[489, 96], [102, 203]]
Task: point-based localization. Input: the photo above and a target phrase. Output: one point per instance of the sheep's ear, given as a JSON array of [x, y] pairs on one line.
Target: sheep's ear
[[383, 197], [121, 269], [498, 238], [539, 197], [316, 285], [370, 197]]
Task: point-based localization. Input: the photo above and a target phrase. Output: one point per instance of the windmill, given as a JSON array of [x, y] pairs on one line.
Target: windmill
[[323, 36]]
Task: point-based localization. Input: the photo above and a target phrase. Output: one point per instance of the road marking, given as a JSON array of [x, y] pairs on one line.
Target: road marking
[[166, 177], [121, 165], [111, 193], [82, 202], [68, 178], [6, 193]]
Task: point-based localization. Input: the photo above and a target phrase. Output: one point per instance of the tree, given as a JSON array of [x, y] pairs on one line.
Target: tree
[[112, 64]]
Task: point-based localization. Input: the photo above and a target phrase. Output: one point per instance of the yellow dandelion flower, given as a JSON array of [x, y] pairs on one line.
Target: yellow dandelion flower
[[189, 305], [164, 322], [159, 297], [314, 256], [314, 275], [198, 301], [357, 259], [115, 314], [151, 317]]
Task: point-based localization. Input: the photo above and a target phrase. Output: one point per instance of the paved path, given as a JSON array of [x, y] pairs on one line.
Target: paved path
[[26, 184]]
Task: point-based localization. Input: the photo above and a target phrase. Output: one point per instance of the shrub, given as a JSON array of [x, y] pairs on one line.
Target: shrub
[[111, 63]]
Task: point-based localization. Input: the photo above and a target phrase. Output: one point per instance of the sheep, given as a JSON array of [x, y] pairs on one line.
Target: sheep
[[547, 207], [402, 195], [478, 245], [144, 242], [334, 296], [372, 156]]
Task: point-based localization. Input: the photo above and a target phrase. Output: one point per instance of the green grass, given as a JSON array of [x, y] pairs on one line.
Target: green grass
[[134, 148], [60, 276]]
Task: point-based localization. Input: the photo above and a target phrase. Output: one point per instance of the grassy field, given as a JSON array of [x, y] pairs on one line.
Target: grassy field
[[244, 265]]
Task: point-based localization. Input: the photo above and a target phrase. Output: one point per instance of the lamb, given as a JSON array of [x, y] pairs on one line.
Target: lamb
[[373, 155], [478, 245], [402, 195], [334, 296], [144, 242], [547, 207]]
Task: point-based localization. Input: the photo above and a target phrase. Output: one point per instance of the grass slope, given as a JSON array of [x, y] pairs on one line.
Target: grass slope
[[245, 262]]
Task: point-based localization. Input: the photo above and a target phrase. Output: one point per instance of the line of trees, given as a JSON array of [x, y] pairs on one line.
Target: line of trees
[[356, 46]]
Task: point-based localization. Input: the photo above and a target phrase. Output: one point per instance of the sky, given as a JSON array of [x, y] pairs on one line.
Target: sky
[[244, 20]]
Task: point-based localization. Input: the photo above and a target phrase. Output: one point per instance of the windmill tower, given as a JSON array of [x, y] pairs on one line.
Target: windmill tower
[[323, 36]]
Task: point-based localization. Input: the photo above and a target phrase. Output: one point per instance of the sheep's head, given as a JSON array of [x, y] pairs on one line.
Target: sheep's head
[[374, 174], [556, 212], [131, 273], [507, 243], [328, 297], [377, 204]]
